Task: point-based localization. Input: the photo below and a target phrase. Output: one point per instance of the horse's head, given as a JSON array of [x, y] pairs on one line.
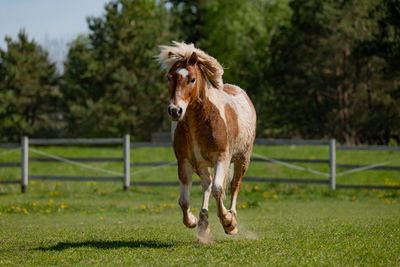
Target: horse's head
[[183, 86]]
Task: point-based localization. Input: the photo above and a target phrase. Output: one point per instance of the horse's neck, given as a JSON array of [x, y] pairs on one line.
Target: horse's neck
[[201, 109]]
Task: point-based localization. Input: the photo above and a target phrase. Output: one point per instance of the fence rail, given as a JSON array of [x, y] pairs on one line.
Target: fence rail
[[124, 176]]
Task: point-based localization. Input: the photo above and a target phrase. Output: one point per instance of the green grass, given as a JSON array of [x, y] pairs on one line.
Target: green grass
[[67, 223]]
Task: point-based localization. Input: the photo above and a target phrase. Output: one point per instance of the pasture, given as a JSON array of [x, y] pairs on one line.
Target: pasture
[[279, 224]]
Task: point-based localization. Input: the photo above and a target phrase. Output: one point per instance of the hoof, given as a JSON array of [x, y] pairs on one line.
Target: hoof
[[190, 221], [233, 232], [231, 228], [203, 233]]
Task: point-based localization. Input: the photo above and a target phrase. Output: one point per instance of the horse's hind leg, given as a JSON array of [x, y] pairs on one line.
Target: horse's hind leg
[[240, 168], [203, 233], [185, 173]]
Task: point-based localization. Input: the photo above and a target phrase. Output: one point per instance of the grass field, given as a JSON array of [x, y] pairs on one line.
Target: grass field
[[63, 223]]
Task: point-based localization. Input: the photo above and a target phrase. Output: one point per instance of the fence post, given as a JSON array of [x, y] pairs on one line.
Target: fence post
[[127, 162], [332, 164], [24, 163]]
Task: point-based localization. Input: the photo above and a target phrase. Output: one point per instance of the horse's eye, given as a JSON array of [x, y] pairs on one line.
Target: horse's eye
[[169, 79], [193, 80]]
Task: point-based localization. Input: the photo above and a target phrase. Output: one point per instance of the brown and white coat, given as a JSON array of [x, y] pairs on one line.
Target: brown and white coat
[[213, 127]]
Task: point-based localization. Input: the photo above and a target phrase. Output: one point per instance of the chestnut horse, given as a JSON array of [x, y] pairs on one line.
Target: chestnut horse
[[213, 126]]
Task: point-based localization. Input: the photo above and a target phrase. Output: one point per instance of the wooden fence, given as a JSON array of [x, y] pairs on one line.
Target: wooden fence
[[124, 176]]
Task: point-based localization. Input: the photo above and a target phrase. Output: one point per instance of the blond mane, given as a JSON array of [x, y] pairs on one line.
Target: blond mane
[[209, 66]]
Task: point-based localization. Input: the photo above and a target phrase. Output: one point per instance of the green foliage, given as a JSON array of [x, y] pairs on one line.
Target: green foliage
[[28, 90], [112, 83], [327, 65], [314, 69]]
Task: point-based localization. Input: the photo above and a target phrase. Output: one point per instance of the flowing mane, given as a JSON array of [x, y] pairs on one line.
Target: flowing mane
[[211, 69]]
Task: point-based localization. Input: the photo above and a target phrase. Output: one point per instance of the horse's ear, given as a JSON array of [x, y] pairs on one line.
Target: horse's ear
[[193, 59], [170, 54]]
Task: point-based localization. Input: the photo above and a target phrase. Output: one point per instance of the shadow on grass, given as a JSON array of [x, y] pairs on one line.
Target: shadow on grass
[[108, 244]]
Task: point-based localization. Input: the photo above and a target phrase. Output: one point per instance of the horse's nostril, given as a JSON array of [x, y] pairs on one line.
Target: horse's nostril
[[180, 111], [169, 110]]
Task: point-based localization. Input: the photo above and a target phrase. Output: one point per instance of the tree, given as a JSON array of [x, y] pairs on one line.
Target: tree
[[238, 34], [112, 83], [28, 91], [328, 78]]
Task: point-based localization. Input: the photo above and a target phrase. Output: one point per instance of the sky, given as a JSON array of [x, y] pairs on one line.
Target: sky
[[51, 23]]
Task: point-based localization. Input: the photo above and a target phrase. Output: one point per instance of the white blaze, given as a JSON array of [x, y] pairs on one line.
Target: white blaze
[[183, 72]]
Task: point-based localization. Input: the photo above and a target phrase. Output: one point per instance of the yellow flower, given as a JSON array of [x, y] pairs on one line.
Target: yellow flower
[[1, 213], [63, 205], [144, 207], [101, 218], [275, 196], [33, 182], [25, 211], [34, 204], [255, 187], [48, 211]]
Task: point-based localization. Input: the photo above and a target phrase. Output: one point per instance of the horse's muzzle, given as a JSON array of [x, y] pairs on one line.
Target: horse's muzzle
[[175, 112]]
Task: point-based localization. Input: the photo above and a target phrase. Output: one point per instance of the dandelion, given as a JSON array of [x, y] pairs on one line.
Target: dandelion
[[18, 208], [25, 211], [275, 196], [144, 207], [255, 187], [63, 206], [34, 204], [50, 202], [48, 210], [1, 213], [101, 218], [33, 182]]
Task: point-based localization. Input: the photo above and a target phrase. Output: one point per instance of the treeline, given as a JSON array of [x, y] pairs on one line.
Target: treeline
[[314, 69]]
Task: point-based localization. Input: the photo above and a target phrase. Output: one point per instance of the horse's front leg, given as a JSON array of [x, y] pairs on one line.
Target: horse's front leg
[[185, 172], [203, 233], [226, 217]]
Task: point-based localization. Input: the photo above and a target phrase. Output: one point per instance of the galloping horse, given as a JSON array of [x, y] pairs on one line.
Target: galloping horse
[[213, 126]]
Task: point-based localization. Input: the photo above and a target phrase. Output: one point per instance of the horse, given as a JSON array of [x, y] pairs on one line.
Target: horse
[[213, 127]]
